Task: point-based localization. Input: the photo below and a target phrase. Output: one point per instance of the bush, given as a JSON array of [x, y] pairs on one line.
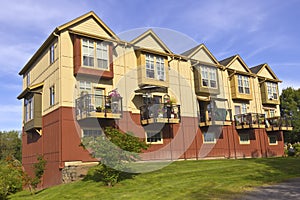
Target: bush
[[11, 176], [115, 150], [293, 150]]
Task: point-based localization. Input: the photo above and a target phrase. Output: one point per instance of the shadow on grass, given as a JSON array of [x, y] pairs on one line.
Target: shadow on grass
[[96, 174]]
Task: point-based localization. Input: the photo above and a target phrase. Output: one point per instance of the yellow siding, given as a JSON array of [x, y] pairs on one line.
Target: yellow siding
[[265, 73], [92, 27], [237, 65], [150, 43], [202, 55]]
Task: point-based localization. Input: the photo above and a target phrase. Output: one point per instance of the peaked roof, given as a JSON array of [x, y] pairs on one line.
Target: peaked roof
[[228, 61], [57, 30], [191, 52], [258, 68], [84, 17], [153, 34]]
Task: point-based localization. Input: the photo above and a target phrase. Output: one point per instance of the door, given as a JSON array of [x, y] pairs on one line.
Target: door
[[99, 97]]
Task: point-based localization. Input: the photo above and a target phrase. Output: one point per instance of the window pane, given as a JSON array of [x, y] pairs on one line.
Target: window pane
[[209, 137], [153, 137]]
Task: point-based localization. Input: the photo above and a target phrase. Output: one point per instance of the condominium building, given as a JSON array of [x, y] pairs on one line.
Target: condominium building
[[186, 106]]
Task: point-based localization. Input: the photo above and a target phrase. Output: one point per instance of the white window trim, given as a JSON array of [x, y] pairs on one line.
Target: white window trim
[[244, 142], [244, 83], [52, 95], [91, 129], [211, 74], [270, 140], [159, 142], [157, 62], [52, 54], [94, 52], [209, 142], [271, 90]]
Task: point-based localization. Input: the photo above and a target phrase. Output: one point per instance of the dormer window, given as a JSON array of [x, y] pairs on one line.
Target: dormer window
[[243, 84], [155, 67], [95, 54], [272, 91], [209, 76]]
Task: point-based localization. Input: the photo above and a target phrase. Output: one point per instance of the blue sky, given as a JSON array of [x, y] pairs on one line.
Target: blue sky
[[260, 31]]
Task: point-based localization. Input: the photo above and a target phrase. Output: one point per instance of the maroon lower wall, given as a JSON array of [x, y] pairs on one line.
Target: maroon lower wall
[[60, 142]]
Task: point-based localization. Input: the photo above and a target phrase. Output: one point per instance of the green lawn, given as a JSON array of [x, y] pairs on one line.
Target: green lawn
[[203, 179]]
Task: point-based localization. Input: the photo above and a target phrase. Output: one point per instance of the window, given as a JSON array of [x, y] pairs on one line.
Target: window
[[91, 132], [52, 95], [209, 76], [85, 87], [273, 140], [52, 55], [154, 137], [88, 52], [244, 138], [272, 90], [209, 137], [244, 108], [157, 71], [149, 66], [160, 66], [28, 79], [99, 97], [29, 108], [243, 84], [95, 54], [102, 55], [272, 113]]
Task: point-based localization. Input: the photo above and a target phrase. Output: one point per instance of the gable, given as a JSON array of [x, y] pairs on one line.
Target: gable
[[264, 72], [150, 42], [91, 26], [237, 65], [202, 55]]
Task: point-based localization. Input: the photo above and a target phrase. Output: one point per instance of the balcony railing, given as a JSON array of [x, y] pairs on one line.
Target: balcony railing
[[219, 116], [250, 120], [160, 113], [279, 123], [98, 106]]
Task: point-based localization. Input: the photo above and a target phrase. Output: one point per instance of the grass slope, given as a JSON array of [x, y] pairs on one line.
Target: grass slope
[[205, 179]]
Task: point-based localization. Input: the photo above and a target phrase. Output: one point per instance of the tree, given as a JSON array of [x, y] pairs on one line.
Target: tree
[[115, 151], [11, 176], [10, 145], [290, 107]]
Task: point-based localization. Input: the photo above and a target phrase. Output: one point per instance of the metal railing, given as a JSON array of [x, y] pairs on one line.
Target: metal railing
[[218, 114], [89, 103], [154, 111], [279, 122], [250, 119]]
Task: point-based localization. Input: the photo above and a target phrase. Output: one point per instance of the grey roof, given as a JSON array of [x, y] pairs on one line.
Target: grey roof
[[256, 69], [226, 61], [190, 51]]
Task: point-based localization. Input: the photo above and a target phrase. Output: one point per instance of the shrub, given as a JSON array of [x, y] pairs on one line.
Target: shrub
[[10, 177], [115, 150]]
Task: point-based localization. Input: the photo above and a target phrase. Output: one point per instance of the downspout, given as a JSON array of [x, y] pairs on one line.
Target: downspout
[[228, 142], [232, 127], [61, 164], [184, 154]]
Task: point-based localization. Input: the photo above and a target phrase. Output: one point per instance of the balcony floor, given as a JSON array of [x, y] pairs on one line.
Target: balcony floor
[[210, 123], [160, 120], [101, 115]]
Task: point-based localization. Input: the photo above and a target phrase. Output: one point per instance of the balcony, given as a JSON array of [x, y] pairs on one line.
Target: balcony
[[160, 113], [279, 124], [220, 116], [98, 106], [250, 120]]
